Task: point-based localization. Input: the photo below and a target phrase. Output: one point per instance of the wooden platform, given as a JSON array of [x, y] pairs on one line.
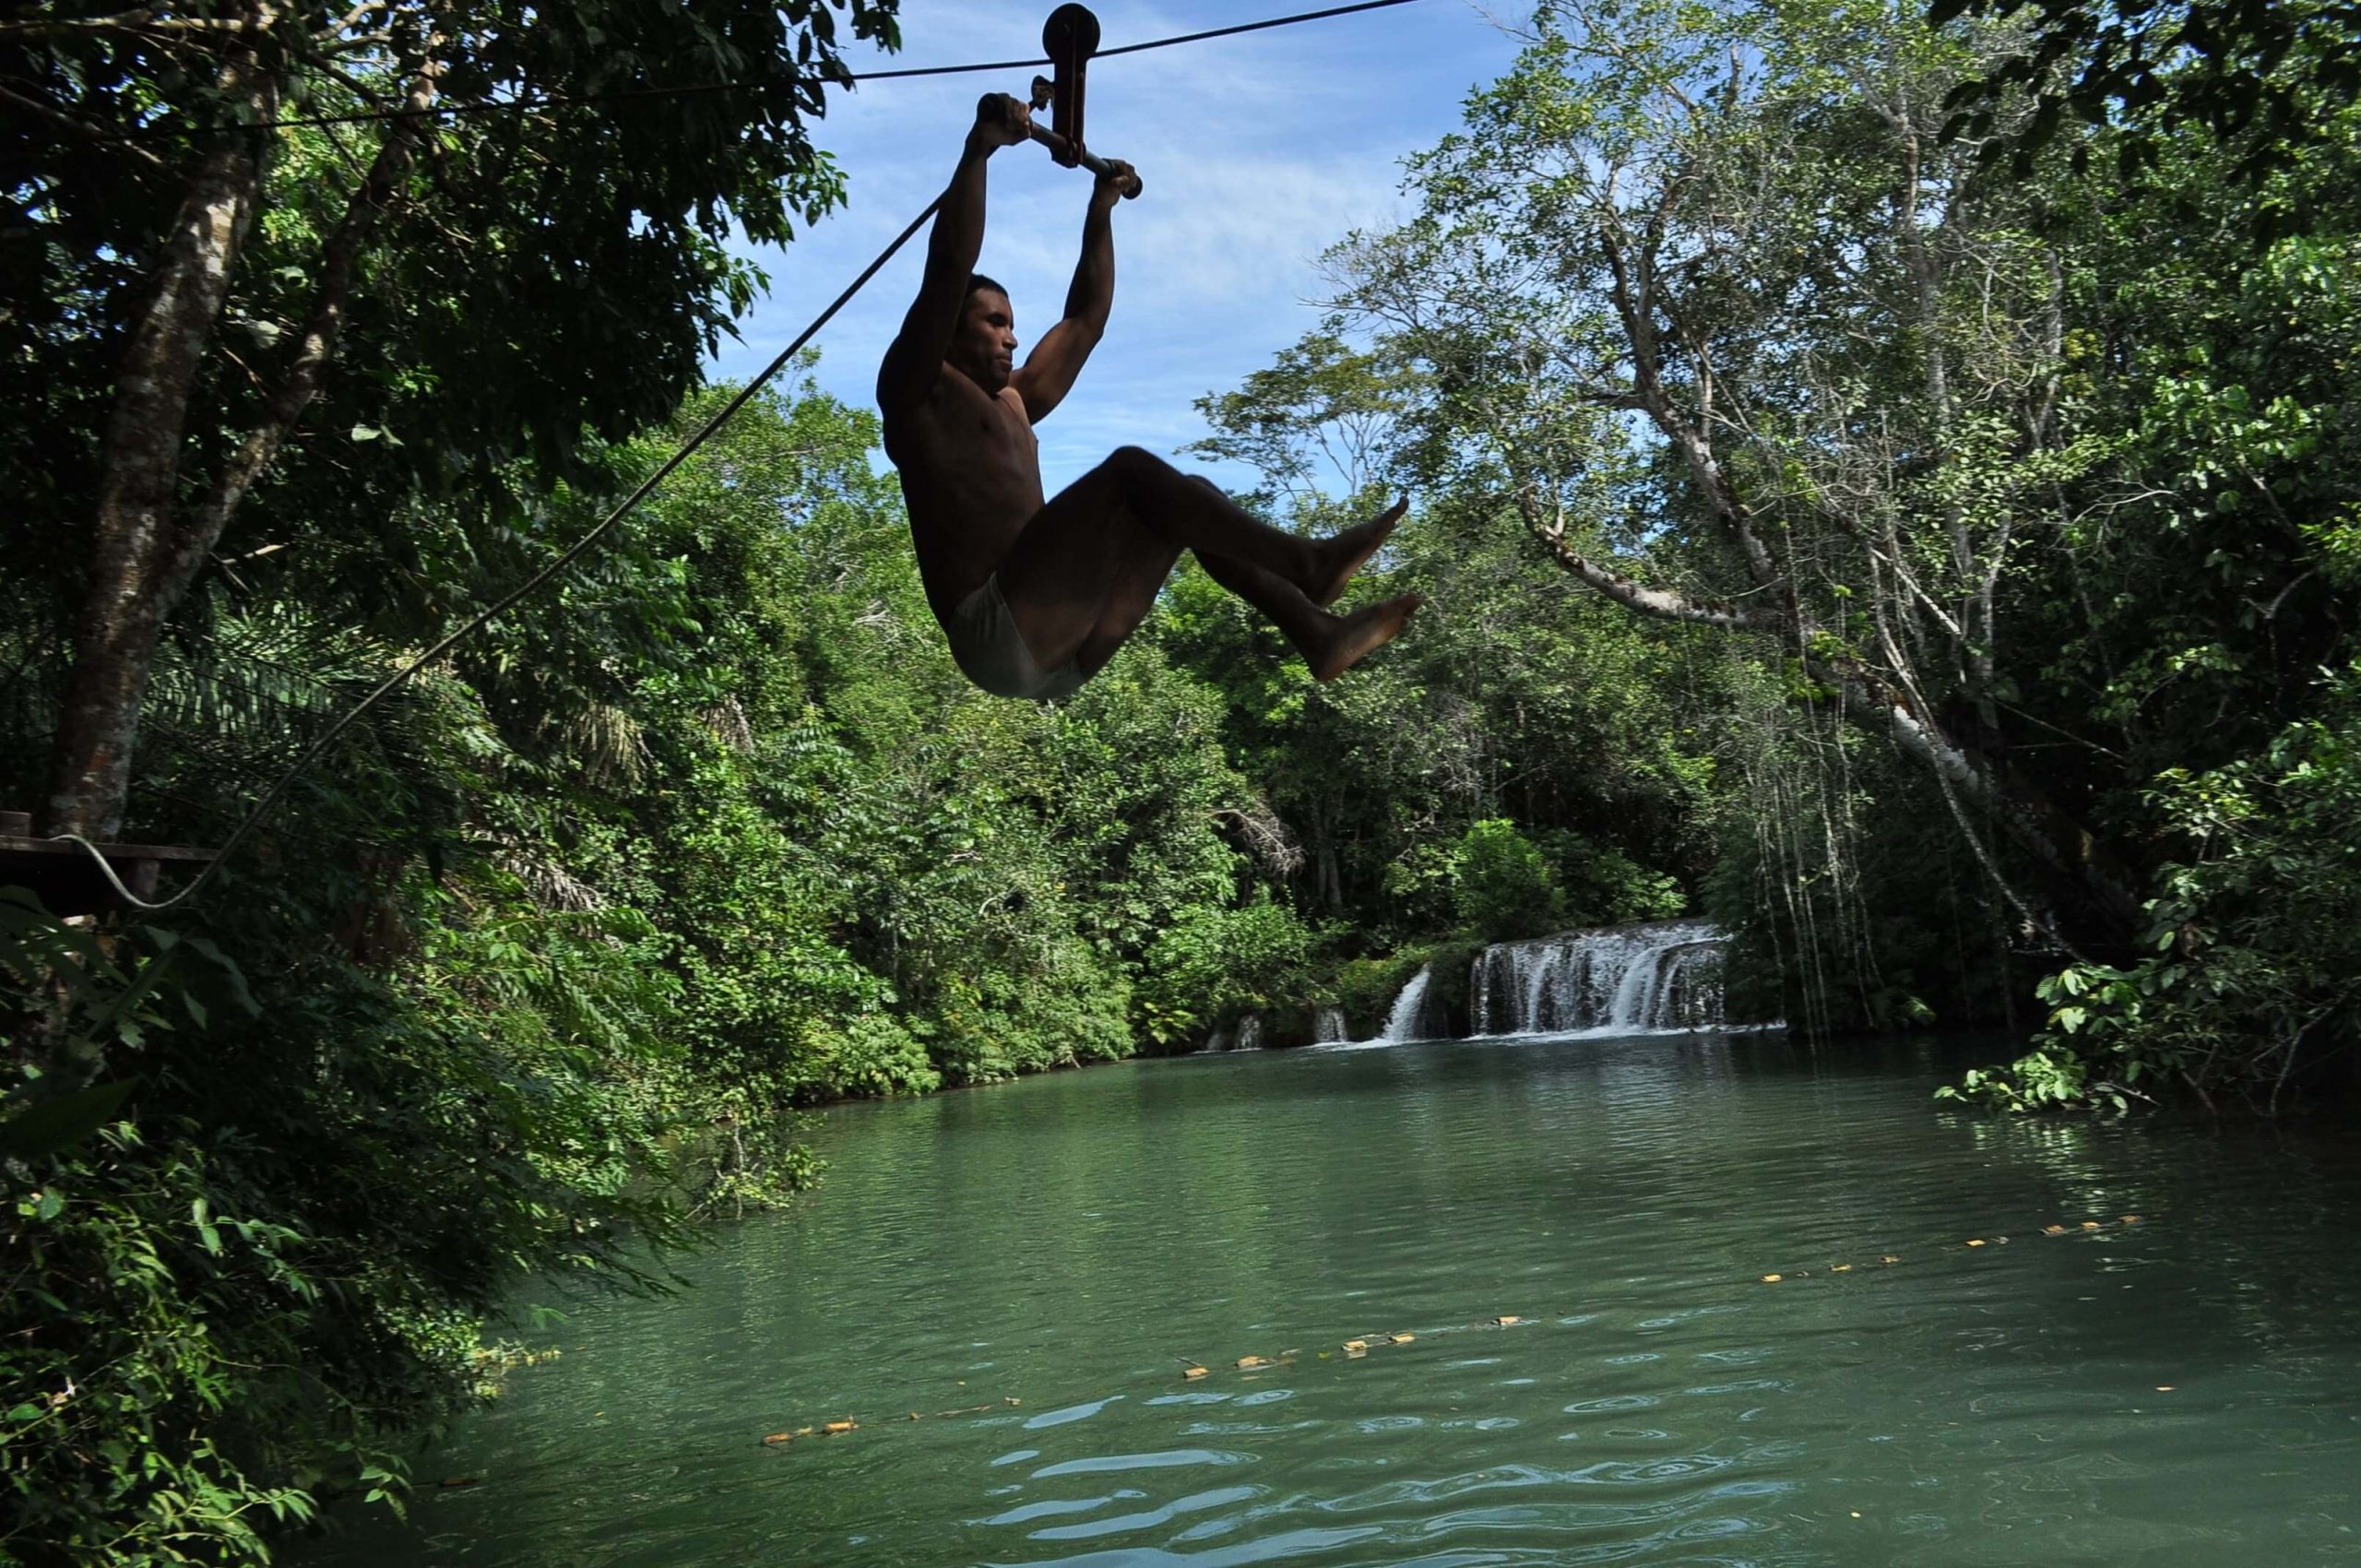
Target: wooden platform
[[66, 880]]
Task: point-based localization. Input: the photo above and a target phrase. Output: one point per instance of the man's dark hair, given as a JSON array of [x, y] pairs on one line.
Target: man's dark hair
[[976, 281]]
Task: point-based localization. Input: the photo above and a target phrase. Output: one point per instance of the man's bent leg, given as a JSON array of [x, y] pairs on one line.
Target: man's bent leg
[[1083, 574], [1192, 511], [1139, 577], [1085, 571]]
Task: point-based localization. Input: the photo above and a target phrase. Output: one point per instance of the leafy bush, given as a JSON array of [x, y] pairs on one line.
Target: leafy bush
[[1214, 965], [870, 1053], [1602, 886], [2253, 962], [1503, 888]]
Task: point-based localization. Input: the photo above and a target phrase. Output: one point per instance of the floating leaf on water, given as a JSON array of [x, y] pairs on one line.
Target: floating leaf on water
[[1511, 1321], [1840, 1268], [2053, 1229], [2131, 1220], [1012, 1399], [780, 1437], [805, 1431], [2164, 1388], [1400, 1339], [2090, 1225], [1773, 1278], [914, 1415], [1889, 1258], [1356, 1343], [1246, 1362], [1975, 1244], [1193, 1374], [833, 1428]]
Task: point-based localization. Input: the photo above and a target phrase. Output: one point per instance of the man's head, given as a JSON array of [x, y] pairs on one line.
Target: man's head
[[983, 347]]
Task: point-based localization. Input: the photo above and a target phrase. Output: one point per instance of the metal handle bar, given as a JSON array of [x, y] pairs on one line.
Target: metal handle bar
[[1091, 160]]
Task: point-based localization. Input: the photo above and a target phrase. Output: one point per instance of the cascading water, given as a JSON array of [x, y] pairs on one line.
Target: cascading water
[[1664, 975], [1328, 1026], [1408, 1019], [1247, 1036]]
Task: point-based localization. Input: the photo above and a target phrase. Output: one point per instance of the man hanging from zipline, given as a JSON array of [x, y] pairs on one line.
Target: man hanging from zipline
[[1036, 597]]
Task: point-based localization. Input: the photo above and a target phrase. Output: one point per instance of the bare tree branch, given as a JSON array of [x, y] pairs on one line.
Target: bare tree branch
[[1664, 604]]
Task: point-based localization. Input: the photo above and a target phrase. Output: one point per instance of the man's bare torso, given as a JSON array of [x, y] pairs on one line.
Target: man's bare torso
[[971, 477]]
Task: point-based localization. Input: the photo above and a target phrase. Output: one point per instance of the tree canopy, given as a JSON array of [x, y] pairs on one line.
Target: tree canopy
[[253, 339]]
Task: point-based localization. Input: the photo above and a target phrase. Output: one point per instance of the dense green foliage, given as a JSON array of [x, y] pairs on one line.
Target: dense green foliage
[[1935, 570], [2016, 540]]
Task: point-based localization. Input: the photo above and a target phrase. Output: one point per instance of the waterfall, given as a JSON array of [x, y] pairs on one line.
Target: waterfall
[[1247, 1036], [1328, 1023], [1664, 975], [1408, 1020]]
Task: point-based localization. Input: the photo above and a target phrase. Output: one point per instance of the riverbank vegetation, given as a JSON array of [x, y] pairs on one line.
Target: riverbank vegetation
[[1861, 512]]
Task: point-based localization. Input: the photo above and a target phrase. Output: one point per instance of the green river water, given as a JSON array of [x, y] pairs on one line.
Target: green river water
[[2184, 1389]]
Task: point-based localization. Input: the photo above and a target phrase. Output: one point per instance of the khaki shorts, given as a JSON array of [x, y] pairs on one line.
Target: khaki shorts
[[991, 652]]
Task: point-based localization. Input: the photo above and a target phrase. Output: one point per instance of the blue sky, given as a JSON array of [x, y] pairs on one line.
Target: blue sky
[[1257, 152]]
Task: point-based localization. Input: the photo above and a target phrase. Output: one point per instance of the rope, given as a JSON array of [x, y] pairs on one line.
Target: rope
[[509, 600], [847, 78], [682, 454]]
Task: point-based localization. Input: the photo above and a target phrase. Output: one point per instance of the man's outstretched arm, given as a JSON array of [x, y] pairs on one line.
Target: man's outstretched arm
[[917, 355], [1050, 370]]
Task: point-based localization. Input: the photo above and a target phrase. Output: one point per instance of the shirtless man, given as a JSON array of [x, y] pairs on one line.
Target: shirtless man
[[1037, 598]]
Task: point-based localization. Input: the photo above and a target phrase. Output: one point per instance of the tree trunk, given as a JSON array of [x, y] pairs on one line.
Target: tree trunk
[[145, 556], [150, 545]]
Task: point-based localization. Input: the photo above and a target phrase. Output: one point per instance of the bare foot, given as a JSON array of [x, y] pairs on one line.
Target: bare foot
[[1337, 557], [1354, 638]]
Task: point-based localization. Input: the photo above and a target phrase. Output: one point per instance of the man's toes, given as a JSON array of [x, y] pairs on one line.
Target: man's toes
[[1363, 632], [1346, 551]]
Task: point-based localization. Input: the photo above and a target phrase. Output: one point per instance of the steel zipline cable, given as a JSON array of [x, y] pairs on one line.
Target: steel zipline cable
[[639, 492], [689, 89]]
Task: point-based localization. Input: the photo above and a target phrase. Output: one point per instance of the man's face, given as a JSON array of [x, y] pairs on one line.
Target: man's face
[[984, 348]]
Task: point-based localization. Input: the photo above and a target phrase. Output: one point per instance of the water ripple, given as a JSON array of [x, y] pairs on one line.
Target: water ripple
[[1105, 1463], [1070, 1413]]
